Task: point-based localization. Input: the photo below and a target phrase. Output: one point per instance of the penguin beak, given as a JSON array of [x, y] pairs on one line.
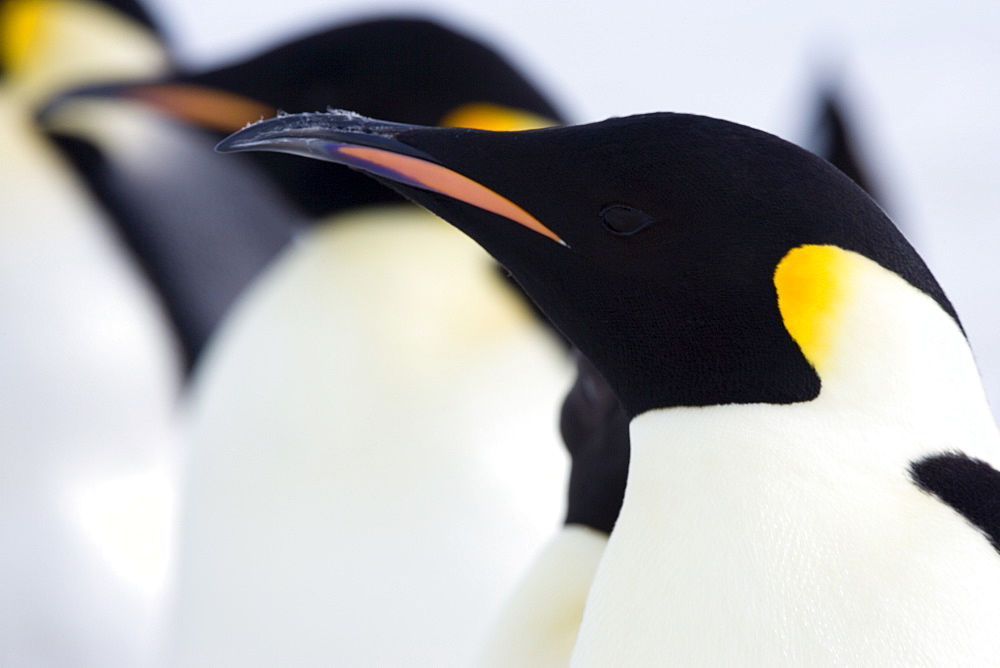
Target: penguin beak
[[200, 106], [374, 147]]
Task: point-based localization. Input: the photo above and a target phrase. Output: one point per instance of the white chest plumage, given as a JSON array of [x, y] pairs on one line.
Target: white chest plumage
[[367, 453], [88, 380], [793, 534]]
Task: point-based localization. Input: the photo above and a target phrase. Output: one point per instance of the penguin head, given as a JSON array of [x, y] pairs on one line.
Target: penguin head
[[409, 70], [694, 261], [49, 45]]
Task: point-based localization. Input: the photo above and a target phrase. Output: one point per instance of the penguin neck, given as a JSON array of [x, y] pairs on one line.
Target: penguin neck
[[743, 523], [898, 382]]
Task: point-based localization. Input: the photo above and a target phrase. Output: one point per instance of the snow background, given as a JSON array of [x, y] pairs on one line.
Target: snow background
[[921, 80]]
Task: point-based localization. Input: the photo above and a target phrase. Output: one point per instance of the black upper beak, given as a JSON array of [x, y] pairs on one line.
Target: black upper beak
[[311, 134]]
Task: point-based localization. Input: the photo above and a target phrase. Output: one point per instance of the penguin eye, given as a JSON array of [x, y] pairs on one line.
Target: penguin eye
[[624, 220]]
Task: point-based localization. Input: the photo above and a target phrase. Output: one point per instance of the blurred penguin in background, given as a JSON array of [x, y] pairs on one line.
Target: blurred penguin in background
[[142, 144], [835, 136], [88, 373], [51, 45], [374, 456]]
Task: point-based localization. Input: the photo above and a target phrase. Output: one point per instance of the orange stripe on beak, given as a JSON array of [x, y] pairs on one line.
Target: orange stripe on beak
[[447, 182], [209, 108]]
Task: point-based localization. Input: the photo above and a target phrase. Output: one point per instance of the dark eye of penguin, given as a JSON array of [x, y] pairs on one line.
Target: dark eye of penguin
[[625, 220]]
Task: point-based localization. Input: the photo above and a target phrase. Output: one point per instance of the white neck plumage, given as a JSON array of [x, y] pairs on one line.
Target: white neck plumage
[[792, 534]]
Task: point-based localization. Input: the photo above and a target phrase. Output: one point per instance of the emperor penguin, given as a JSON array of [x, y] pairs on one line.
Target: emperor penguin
[[812, 474], [539, 623], [374, 456], [88, 373]]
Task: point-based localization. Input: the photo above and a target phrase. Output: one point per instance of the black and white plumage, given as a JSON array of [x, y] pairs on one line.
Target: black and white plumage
[[791, 369]]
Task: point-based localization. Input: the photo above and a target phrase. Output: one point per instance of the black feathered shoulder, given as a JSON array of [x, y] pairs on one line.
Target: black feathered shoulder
[[970, 486]]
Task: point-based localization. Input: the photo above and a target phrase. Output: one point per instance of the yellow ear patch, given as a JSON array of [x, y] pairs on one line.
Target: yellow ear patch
[[483, 116], [21, 23], [812, 284]]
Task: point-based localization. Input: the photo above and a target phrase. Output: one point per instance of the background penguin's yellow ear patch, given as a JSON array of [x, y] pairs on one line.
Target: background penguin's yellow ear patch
[[483, 116], [812, 283], [21, 22]]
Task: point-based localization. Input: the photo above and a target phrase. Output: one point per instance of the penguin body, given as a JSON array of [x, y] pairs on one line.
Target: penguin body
[[803, 402], [87, 372], [539, 622], [88, 383], [823, 549], [389, 505], [350, 494]]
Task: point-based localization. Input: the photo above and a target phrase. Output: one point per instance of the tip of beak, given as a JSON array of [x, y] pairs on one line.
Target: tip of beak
[[252, 135], [265, 133], [235, 142]]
